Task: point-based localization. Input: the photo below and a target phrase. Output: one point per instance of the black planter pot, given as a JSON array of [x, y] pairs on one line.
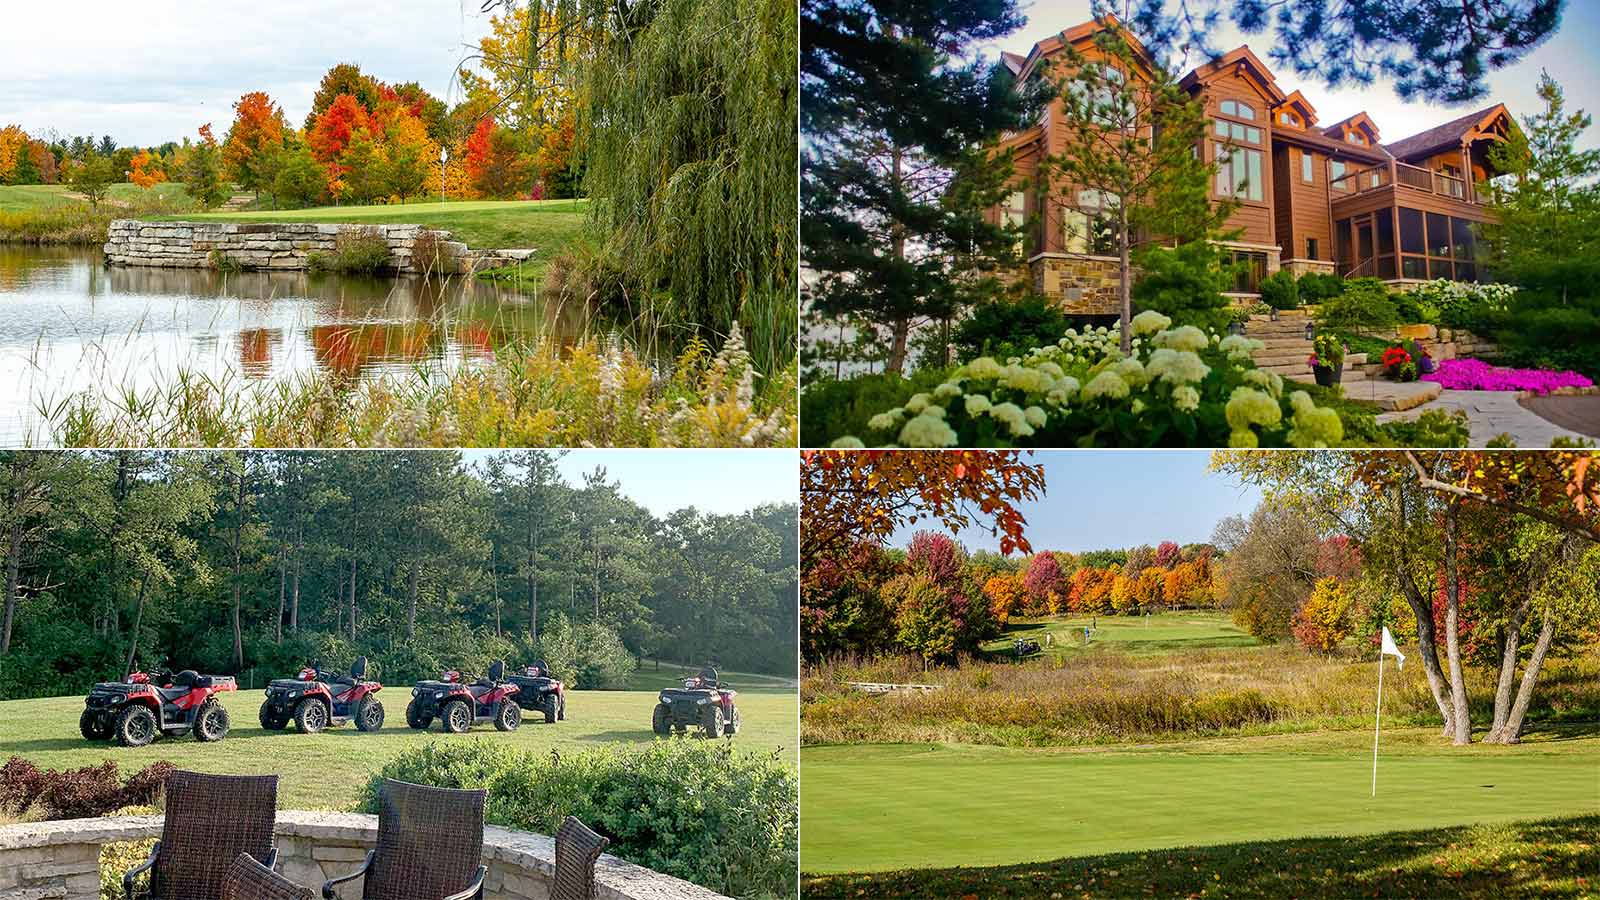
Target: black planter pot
[[1328, 376]]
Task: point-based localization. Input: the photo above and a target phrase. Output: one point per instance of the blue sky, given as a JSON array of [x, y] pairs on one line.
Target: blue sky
[[1099, 499], [717, 481], [1570, 56]]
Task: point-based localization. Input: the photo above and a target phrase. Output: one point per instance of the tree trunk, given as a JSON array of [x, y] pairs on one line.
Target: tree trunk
[[283, 580], [238, 536], [13, 572], [294, 585], [494, 581], [138, 618], [533, 577], [1125, 277], [1428, 649], [411, 602], [352, 599], [1511, 732], [901, 327], [1452, 639], [1508, 670], [900, 331]]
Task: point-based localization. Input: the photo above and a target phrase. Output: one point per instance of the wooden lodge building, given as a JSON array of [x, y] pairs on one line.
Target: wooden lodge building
[[1313, 196]]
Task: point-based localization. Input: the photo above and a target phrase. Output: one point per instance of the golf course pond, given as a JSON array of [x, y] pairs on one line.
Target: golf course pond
[[68, 324]]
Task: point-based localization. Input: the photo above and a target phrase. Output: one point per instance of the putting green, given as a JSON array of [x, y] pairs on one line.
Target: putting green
[[324, 771], [879, 807], [1157, 633]]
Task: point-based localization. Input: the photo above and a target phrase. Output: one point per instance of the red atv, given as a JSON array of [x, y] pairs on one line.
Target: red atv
[[703, 702], [134, 712], [316, 699], [459, 706]]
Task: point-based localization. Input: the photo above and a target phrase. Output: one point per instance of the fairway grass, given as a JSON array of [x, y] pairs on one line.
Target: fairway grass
[[324, 771], [27, 197], [885, 807], [1168, 632]]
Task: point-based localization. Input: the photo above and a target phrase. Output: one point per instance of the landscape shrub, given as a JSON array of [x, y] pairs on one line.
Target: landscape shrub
[[356, 251], [707, 812], [1413, 309], [1459, 304], [116, 859], [1434, 428], [1008, 328], [1316, 287], [830, 408], [1364, 304], [77, 793], [1280, 290], [590, 656], [1539, 331], [1185, 284], [1180, 386]]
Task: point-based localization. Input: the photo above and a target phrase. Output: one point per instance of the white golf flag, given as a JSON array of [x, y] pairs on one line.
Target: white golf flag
[[1390, 648]]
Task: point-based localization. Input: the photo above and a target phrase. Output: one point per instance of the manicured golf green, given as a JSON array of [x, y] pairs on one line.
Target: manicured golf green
[[543, 225], [324, 771], [883, 807], [1159, 633]]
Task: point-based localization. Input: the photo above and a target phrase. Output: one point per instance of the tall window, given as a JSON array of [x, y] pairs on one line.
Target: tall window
[[1239, 173], [1307, 173], [1239, 110], [1336, 172], [1252, 268], [1237, 131], [1016, 209], [1090, 227], [1311, 248], [1102, 102]]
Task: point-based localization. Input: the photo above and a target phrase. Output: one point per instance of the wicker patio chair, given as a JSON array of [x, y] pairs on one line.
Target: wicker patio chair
[[250, 880], [210, 820], [430, 846], [577, 849]]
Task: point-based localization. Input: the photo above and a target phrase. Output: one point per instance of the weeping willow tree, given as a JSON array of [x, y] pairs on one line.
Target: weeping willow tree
[[687, 112]]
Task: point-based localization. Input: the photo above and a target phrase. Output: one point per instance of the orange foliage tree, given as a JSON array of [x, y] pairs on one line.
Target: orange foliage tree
[[849, 496], [145, 170], [1006, 595], [334, 129], [253, 142], [13, 143]]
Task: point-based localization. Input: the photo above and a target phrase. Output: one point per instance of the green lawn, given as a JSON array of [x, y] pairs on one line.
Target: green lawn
[[1549, 858], [324, 771], [872, 808], [1158, 633], [649, 678], [543, 225], [22, 197]]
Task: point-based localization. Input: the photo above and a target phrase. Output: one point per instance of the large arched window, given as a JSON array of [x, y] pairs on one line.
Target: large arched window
[[1238, 153], [1239, 110]]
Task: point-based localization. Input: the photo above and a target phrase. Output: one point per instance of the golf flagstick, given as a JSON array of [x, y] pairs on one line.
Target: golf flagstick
[[1386, 648]]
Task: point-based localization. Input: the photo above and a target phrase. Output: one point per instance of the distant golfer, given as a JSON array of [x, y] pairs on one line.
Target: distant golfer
[[1086, 635]]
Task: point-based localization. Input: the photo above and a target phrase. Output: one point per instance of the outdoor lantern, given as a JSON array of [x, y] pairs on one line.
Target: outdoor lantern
[[1272, 314], [1236, 328], [1311, 329]]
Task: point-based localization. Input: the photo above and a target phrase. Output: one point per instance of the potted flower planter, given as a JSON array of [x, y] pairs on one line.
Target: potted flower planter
[[1328, 376]]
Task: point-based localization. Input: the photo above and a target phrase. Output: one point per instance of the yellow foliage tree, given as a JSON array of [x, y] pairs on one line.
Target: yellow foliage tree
[[1149, 589], [1122, 592], [13, 143], [526, 81], [1005, 595], [1324, 621]]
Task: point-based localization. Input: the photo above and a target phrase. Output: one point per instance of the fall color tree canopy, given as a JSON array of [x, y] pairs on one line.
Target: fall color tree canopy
[[250, 152]]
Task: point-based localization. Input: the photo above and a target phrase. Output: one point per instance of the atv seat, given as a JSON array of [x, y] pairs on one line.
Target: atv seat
[[189, 678], [169, 694]]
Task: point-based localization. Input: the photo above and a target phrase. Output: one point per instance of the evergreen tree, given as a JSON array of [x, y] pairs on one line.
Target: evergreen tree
[[900, 166], [1546, 230]]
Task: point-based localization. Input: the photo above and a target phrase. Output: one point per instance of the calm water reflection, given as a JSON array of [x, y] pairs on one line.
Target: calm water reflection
[[67, 324]]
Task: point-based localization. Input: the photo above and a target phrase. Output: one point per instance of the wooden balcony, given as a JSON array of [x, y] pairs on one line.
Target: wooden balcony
[[1361, 181]]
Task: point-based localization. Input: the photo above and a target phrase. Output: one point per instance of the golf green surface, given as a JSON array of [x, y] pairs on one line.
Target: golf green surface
[[1159, 633], [868, 808], [324, 771]]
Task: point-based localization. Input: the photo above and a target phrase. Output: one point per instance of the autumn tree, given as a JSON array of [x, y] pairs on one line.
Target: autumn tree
[[344, 79], [1006, 596], [252, 149], [203, 175], [92, 178], [343, 120], [1045, 585], [1323, 621]]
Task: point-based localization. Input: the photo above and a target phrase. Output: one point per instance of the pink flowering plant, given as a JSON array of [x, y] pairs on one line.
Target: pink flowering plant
[[1476, 375]]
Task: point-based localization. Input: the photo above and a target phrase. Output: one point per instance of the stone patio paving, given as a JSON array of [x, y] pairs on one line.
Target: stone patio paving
[[1489, 414]]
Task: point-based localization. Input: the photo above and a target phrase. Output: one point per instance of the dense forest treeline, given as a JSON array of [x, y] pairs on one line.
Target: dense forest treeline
[[230, 561]]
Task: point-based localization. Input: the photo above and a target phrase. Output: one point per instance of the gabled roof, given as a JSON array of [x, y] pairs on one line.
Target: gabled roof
[[1243, 61], [1360, 120], [1012, 61], [1080, 33], [1301, 105], [1449, 135], [1316, 140]]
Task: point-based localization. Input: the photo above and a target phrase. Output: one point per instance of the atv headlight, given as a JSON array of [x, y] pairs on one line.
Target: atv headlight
[[701, 702], [439, 695], [293, 694]]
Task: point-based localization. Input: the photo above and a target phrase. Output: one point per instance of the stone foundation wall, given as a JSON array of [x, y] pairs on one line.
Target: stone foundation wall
[[286, 247], [1301, 266], [60, 860], [1082, 286]]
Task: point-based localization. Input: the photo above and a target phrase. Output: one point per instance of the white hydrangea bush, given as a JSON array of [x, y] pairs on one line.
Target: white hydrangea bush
[[1179, 387]]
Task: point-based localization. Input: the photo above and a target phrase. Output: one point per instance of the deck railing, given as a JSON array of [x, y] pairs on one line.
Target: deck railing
[[1374, 177]]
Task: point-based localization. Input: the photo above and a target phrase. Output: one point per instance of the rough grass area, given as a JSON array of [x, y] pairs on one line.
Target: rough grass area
[[1110, 696], [51, 214], [327, 770], [24, 197], [1156, 633], [1550, 858], [543, 225]]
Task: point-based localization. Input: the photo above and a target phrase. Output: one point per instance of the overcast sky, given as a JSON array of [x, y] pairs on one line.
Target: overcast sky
[[1570, 56], [156, 70], [1110, 499]]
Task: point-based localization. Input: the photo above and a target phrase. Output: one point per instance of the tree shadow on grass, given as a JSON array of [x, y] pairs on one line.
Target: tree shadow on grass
[[1550, 858]]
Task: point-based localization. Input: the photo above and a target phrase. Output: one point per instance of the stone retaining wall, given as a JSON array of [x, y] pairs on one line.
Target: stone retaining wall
[[60, 860], [287, 247]]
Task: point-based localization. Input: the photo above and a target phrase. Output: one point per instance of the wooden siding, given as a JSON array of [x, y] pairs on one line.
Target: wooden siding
[[1306, 206], [1253, 217]]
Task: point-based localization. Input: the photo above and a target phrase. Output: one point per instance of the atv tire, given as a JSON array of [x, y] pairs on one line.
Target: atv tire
[[310, 716], [731, 727], [659, 723], [416, 719], [711, 721], [136, 726], [269, 721], [211, 721], [457, 716], [508, 716], [548, 706], [369, 714], [93, 726]]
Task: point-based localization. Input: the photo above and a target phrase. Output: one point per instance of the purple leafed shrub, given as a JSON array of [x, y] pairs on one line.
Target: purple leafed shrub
[[1477, 375], [77, 793]]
